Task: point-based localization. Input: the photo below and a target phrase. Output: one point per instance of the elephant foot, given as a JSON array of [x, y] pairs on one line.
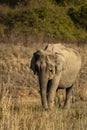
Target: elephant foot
[[45, 107], [67, 106], [50, 106]]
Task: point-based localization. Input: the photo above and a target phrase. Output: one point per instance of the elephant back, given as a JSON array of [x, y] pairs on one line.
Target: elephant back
[[72, 63]]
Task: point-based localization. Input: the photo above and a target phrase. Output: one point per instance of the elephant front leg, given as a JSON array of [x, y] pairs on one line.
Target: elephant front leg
[[52, 91]]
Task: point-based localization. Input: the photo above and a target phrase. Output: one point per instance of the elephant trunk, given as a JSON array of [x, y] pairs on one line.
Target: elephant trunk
[[43, 89]]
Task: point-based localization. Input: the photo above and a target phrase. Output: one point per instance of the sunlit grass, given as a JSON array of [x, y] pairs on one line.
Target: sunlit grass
[[19, 116], [20, 105]]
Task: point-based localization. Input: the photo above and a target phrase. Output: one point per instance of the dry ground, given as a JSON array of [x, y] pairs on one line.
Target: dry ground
[[20, 106]]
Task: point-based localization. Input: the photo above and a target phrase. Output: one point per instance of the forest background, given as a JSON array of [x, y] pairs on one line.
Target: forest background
[[43, 20]]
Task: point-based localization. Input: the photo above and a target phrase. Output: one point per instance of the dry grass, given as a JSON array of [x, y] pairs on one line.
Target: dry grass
[[30, 116], [20, 106]]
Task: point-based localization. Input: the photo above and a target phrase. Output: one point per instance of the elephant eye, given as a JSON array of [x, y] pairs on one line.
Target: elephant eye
[[51, 70]]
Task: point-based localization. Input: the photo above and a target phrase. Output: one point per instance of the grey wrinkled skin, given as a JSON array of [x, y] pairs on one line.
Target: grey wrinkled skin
[[57, 68]]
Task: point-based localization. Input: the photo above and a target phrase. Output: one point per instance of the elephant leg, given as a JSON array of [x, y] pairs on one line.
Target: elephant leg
[[68, 97], [52, 91], [57, 99], [61, 94]]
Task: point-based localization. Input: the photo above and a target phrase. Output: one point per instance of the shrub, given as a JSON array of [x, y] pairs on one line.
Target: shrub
[[26, 19], [64, 2], [13, 3], [79, 15], [44, 18]]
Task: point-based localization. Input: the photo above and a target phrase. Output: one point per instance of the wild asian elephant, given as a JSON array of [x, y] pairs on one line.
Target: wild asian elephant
[[57, 68]]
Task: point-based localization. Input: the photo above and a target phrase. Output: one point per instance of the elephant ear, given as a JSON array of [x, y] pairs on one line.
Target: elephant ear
[[59, 63], [34, 59], [32, 65]]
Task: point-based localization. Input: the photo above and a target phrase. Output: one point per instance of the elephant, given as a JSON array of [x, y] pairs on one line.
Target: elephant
[[57, 67]]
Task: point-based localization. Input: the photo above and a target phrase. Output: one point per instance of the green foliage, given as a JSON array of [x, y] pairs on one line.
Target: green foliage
[[40, 12], [10, 2], [66, 2], [26, 19], [79, 15], [37, 18]]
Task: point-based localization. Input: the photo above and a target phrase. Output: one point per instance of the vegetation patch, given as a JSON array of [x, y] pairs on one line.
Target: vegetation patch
[[79, 15], [56, 20]]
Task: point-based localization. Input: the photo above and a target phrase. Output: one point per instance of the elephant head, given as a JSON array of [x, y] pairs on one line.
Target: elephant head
[[46, 65]]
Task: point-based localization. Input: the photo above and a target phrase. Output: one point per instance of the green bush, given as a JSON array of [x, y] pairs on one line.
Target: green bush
[[14, 3], [79, 15], [40, 19], [10, 2], [66, 2], [40, 12], [25, 18]]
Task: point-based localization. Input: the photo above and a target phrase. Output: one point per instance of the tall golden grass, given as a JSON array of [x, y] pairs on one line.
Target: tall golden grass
[[20, 106], [17, 115]]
